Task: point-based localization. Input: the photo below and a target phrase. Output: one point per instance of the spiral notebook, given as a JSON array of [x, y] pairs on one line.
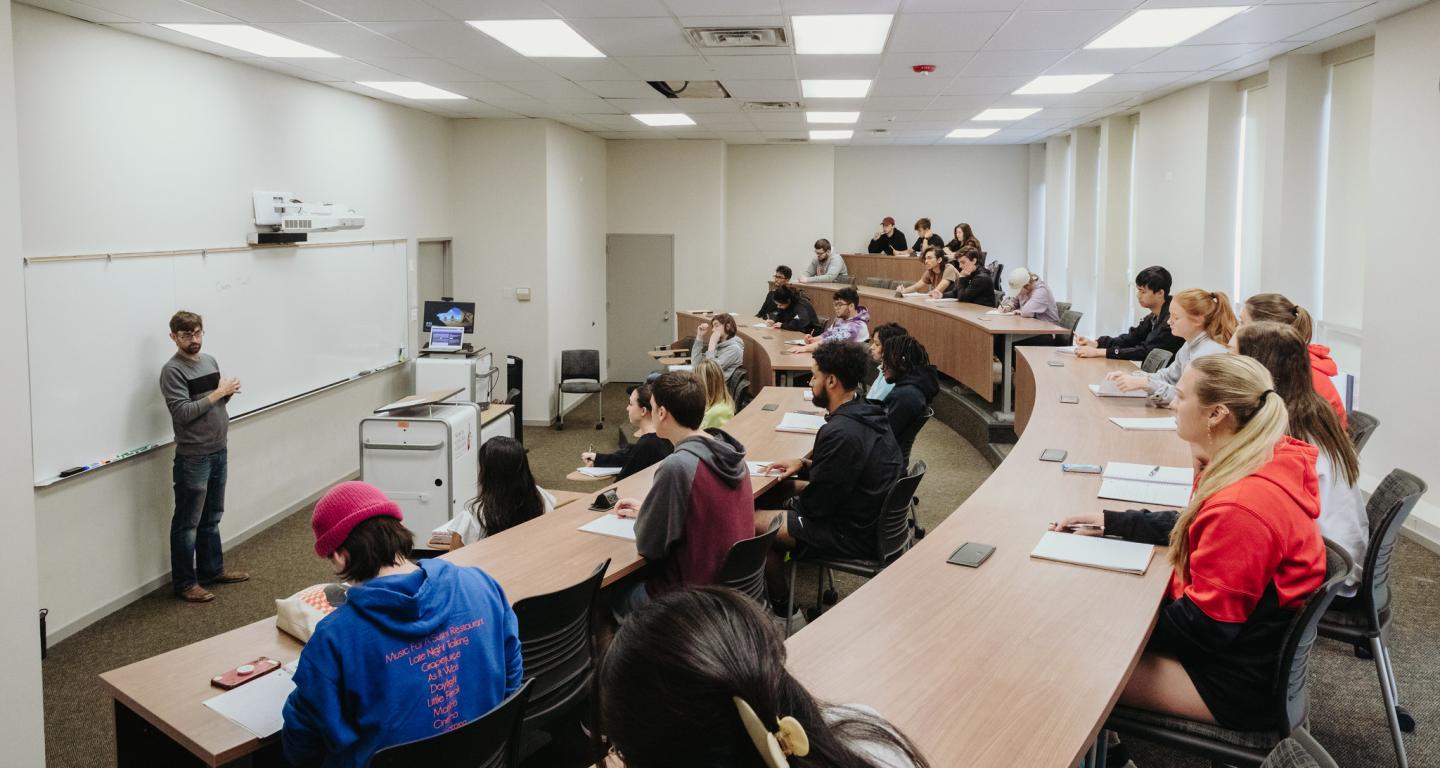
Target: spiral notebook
[[1094, 552]]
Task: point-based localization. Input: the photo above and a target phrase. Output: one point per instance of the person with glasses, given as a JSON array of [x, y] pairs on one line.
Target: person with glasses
[[196, 396], [825, 268], [849, 322], [777, 284]]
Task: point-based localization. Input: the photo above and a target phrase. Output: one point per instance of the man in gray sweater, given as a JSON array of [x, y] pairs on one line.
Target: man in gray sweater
[[196, 397]]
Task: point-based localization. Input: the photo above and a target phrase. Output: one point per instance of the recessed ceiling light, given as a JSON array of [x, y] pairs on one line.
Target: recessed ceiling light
[[832, 117], [970, 133], [1163, 27], [844, 33], [669, 118], [409, 89], [1006, 113], [548, 38], [830, 135], [1051, 84], [251, 40], [834, 89]]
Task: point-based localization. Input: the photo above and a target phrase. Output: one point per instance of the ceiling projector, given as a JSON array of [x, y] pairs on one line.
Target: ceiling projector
[[282, 218]]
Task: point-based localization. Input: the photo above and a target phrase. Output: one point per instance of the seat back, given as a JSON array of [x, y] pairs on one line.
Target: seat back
[[877, 282], [1063, 306], [1389, 506], [1362, 426], [739, 386], [744, 567], [621, 439], [907, 440], [1299, 750], [555, 642], [579, 364], [996, 270], [894, 527], [489, 741], [1070, 318], [1157, 359], [1291, 684]]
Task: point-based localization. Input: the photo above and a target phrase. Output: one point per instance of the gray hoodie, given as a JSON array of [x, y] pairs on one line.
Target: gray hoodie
[[729, 354], [1163, 381]]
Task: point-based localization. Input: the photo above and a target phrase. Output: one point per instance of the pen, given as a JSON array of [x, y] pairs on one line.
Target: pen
[[1153, 471], [1076, 526]]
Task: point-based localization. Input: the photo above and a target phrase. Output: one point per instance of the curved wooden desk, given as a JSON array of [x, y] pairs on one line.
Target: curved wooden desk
[[863, 265], [1019, 661], [766, 354]]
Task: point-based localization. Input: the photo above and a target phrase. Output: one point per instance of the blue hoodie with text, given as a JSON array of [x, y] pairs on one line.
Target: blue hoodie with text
[[406, 657]]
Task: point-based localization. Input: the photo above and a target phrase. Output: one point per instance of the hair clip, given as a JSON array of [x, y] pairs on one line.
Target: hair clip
[[789, 739]]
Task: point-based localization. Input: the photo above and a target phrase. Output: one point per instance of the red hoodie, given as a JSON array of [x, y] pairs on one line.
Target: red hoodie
[[1322, 367]]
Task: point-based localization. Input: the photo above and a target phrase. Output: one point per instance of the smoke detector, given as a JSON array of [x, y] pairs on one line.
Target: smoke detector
[[923, 69]]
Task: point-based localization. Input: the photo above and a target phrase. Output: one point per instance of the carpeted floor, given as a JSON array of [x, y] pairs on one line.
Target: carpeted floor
[[1347, 716]]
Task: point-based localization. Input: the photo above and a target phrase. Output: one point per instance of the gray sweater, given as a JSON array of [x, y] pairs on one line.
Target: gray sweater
[[832, 271], [1163, 381], [729, 354], [200, 425]]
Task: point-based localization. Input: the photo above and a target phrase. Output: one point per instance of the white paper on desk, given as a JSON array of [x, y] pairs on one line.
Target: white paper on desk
[[611, 525], [1107, 388], [257, 705], [1094, 551], [914, 295], [942, 301], [1166, 424], [795, 342], [1070, 350], [801, 422], [757, 468], [760, 325], [598, 471], [808, 395], [1149, 473]]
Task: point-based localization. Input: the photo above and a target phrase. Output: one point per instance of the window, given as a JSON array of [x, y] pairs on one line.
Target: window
[[1343, 231], [1250, 193]]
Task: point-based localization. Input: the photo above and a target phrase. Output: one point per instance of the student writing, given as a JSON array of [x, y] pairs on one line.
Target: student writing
[[647, 449], [508, 496], [1152, 291], [938, 277], [963, 238], [777, 283], [793, 311], [924, 238], [1030, 297], [1204, 320], [848, 322]]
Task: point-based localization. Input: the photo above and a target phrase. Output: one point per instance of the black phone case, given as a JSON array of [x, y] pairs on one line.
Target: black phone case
[[974, 558]]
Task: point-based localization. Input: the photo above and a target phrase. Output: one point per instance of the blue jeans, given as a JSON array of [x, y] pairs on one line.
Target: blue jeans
[[195, 556]]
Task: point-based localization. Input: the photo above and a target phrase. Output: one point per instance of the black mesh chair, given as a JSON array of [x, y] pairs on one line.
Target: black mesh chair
[[556, 632], [489, 741], [744, 567], [1362, 427], [877, 282], [1157, 359], [1364, 622], [1290, 696], [739, 386], [1063, 307], [907, 435], [1299, 750], [579, 374], [996, 270]]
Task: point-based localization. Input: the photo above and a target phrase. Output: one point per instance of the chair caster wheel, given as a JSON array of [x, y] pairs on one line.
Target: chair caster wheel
[[1407, 721], [919, 533], [830, 597], [600, 426]]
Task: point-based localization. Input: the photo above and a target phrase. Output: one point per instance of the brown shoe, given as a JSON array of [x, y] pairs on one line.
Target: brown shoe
[[230, 577], [196, 594]]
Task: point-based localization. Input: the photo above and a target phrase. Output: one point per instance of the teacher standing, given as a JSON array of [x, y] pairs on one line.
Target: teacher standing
[[196, 396]]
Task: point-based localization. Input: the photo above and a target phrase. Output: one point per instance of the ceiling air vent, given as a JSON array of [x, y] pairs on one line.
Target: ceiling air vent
[[769, 106], [690, 89], [737, 37], [787, 141]]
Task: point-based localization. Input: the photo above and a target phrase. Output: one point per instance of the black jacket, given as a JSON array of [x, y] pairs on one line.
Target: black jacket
[[933, 240], [974, 288], [892, 245], [1152, 332], [799, 316], [855, 462], [632, 458], [767, 309], [906, 404]]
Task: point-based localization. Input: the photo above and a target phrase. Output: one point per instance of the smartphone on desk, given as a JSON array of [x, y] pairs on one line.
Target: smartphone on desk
[[605, 501], [770, 407], [1053, 454], [244, 673], [971, 554]]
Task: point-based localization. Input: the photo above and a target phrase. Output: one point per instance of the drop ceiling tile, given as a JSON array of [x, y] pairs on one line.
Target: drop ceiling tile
[[1011, 63], [1189, 58], [711, 20], [441, 39], [1083, 62], [284, 67], [494, 9], [950, 6], [1134, 81], [694, 107], [634, 37], [915, 85], [881, 119], [723, 120], [160, 11], [1052, 30], [593, 105], [763, 89], [80, 11], [1149, 4], [768, 121], [861, 140], [943, 31], [1084, 5], [620, 135], [620, 89], [594, 9], [1087, 98], [649, 106], [426, 70], [175, 38], [380, 10], [754, 67], [615, 122], [804, 7], [254, 11], [490, 92], [891, 102], [1268, 23], [1341, 24], [345, 69], [841, 67], [947, 65], [965, 85], [727, 8], [477, 109], [690, 67], [586, 69], [550, 89], [343, 38], [1261, 55], [971, 102]]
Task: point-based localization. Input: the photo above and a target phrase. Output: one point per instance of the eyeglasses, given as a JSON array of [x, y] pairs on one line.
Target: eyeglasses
[[190, 335]]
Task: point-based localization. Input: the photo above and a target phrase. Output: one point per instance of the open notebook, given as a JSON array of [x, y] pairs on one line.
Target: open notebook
[[1094, 552], [1107, 388], [1147, 484], [1165, 424], [795, 421], [599, 471], [610, 525]]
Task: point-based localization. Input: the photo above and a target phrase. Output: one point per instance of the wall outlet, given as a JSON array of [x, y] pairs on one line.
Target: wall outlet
[[522, 294]]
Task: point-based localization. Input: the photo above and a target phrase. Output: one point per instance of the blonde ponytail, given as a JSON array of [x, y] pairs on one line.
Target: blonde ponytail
[[1245, 387]]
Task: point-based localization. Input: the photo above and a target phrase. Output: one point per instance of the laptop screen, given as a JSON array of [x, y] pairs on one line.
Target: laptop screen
[[442, 337]]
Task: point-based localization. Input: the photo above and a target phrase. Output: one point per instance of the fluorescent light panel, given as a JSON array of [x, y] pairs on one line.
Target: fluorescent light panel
[[409, 89], [1163, 27], [670, 118], [1005, 113], [537, 38], [832, 117], [834, 89], [243, 37], [844, 33], [970, 133], [830, 135], [1053, 84]]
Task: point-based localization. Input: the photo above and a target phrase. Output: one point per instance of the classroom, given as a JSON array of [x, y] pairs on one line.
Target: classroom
[[813, 383]]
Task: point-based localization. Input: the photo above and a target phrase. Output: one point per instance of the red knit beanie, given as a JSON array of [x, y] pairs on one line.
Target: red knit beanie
[[344, 507]]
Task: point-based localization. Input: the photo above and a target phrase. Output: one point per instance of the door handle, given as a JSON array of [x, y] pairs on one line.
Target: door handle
[[666, 316]]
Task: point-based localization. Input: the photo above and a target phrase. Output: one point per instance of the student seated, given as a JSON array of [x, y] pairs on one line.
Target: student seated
[[648, 449], [778, 283], [1283, 352], [698, 678], [888, 240], [1152, 290], [719, 405], [825, 267], [699, 503], [793, 311], [914, 385], [1246, 551], [879, 389], [938, 277], [963, 238], [851, 470], [924, 238], [1204, 321], [974, 285], [718, 340], [357, 690], [1029, 296], [508, 494], [849, 322], [1277, 308]]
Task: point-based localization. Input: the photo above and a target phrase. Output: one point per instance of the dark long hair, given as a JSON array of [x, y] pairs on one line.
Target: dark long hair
[[902, 354], [1281, 348], [508, 495], [666, 683]]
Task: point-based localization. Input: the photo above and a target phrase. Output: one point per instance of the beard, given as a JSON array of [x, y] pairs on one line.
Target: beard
[[822, 399], [193, 348]]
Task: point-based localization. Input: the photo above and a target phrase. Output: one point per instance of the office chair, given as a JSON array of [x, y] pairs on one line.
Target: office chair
[[489, 741], [579, 374]]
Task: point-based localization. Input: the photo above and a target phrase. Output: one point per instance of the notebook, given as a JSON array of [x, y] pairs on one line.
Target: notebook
[[1094, 552], [1147, 484], [794, 421], [610, 525], [599, 471], [795, 342], [914, 295], [1070, 350], [1107, 388], [942, 301], [757, 468], [1166, 424], [256, 706]]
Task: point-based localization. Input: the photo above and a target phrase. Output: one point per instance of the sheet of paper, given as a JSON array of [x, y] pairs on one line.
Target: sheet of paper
[[1141, 492], [801, 422], [808, 395], [685, 367], [599, 471], [1094, 551], [760, 325], [757, 468], [1107, 388], [1166, 424], [996, 312], [1070, 350], [256, 706], [795, 342], [914, 295], [610, 525], [942, 301], [1151, 473]]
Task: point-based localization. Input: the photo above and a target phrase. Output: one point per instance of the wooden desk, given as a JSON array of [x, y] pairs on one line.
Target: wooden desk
[[1019, 661], [863, 265], [959, 337], [766, 354], [159, 715]]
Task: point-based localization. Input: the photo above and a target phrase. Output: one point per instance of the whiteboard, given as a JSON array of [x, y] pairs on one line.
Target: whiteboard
[[285, 321]]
